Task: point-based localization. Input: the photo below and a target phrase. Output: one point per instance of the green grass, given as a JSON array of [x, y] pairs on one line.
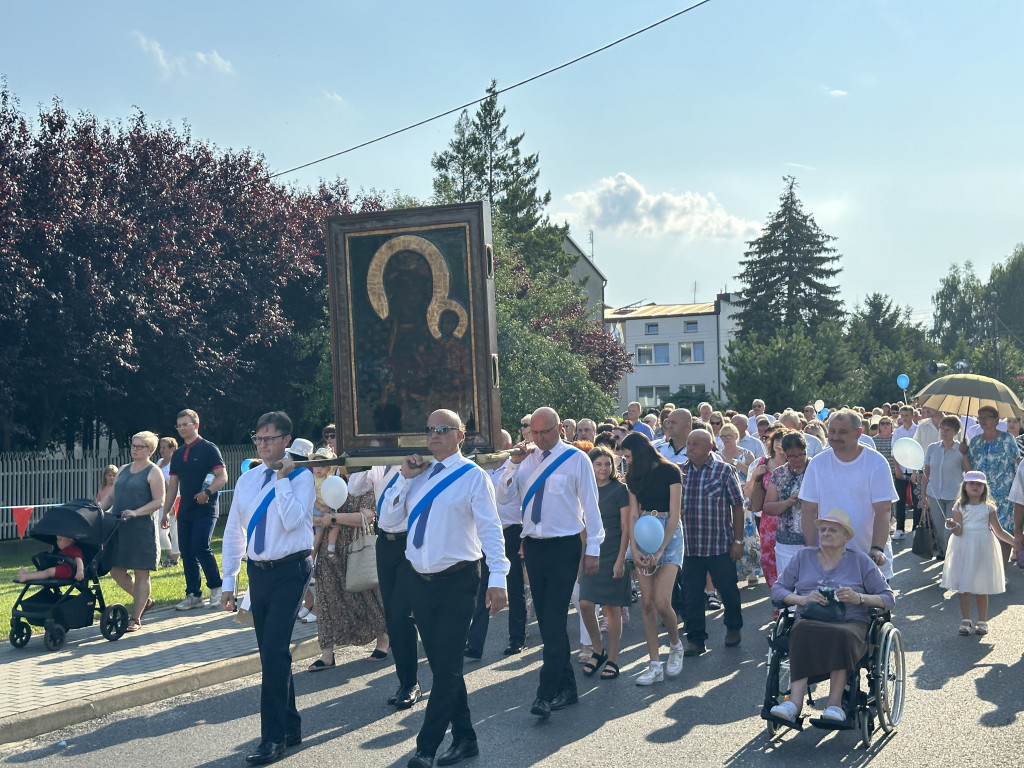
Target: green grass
[[168, 584]]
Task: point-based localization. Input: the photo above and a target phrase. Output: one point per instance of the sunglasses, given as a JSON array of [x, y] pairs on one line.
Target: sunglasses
[[715, 423], [442, 431]]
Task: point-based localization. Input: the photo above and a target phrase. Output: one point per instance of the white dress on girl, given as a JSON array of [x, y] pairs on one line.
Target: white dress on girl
[[974, 560]]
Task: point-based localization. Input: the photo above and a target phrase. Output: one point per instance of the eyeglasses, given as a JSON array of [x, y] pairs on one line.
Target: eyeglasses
[[186, 425], [137, 447], [544, 431], [442, 430], [264, 440]]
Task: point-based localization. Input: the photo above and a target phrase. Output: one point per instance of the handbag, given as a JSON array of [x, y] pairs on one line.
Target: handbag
[[361, 561], [924, 541], [833, 610]]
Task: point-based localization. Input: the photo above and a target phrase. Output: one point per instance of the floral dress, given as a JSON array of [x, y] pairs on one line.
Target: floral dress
[[749, 565], [998, 459], [768, 525]]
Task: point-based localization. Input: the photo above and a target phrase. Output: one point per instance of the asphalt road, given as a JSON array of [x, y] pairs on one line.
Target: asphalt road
[[963, 705]]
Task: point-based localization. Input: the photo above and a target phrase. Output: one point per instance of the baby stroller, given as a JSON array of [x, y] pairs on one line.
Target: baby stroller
[[58, 605]]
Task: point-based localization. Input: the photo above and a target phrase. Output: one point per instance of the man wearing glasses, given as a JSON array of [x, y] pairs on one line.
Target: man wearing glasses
[[554, 484], [269, 524], [447, 506], [191, 463]]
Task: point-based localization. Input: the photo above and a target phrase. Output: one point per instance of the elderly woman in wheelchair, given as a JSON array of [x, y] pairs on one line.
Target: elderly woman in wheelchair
[[834, 590]]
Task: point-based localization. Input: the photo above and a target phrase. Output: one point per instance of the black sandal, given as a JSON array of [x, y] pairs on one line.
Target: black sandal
[[597, 660], [319, 665], [378, 654], [610, 671]]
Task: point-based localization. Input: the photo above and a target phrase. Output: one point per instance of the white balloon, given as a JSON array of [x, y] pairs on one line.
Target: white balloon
[[334, 491], [908, 452], [818, 405]]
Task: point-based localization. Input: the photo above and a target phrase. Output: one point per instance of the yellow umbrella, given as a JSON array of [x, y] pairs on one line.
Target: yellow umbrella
[[964, 393]]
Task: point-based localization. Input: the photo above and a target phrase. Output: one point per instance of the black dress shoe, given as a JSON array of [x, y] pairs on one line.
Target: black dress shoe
[[693, 649], [458, 751], [469, 653], [420, 760], [563, 700], [513, 648], [292, 739], [266, 752], [407, 696], [540, 708]]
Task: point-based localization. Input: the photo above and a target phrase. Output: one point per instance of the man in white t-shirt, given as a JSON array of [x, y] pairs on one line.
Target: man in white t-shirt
[[856, 480]]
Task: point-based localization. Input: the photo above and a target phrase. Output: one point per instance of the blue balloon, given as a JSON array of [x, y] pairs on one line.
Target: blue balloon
[[246, 463], [649, 533], [903, 381], [823, 414]]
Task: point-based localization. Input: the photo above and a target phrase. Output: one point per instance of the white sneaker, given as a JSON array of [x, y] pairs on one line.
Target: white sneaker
[[786, 710], [190, 602], [310, 618], [215, 594], [675, 662], [653, 674], [897, 535]]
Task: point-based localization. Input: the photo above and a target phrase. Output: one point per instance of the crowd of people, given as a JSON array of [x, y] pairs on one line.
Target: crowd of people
[[811, 507]]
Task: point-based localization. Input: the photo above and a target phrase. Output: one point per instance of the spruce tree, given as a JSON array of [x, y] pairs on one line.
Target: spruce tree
[[786, 273]]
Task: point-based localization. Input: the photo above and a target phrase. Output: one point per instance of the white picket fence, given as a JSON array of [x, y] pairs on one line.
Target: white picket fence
[[42, 481]]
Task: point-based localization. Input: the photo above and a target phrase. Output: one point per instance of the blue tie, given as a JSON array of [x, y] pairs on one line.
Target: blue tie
[[259, 536], [421, 524], [538, 497]]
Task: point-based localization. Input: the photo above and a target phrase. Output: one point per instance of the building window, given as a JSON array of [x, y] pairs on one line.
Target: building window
[[691, 352], [693, 388], [652, 354], [651, 329], [651, 396], [689, 326]]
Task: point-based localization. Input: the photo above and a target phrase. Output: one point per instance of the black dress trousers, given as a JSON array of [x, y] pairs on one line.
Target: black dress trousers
[[443, 606], [553, 565], [516, 596], [275, 595], [392, 565]]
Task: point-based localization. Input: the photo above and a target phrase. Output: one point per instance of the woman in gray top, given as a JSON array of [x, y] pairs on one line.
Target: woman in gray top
[[138, 493], [942, 475]]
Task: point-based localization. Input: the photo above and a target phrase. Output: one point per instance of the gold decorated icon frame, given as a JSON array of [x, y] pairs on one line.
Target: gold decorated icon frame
[[412, 326]]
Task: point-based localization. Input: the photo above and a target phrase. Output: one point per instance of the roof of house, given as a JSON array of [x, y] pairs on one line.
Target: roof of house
[[636, 311]]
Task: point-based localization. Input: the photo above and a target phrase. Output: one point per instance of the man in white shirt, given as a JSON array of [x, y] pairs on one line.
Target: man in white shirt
[[554, 485], [512, 530], [748, 441], [452, 522], [904, 475], [392, 567], [757, 409], [856, 480], [676, 428], [269, 523]]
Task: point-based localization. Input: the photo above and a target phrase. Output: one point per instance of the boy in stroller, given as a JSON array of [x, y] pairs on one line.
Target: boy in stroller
[[69, 555]]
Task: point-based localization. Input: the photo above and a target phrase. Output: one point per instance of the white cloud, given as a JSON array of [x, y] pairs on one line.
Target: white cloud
[[802, 167], [168, 65], [622, 205], [836, 93], [215, 61], [334, 96]]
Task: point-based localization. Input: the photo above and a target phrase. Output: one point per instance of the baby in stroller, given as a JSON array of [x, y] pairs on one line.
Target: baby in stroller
[[70, 555]]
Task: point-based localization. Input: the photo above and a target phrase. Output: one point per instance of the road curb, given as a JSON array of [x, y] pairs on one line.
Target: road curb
[[27, 725]]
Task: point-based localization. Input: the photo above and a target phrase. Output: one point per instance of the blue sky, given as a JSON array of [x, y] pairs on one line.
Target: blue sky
[[901, 120]]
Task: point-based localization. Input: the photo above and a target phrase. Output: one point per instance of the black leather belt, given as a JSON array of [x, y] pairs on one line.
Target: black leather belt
[[268, 564], [389, 536], [446, 572]]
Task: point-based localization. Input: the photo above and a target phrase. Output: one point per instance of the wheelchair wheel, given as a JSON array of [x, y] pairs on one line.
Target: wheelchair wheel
[[54, 636], [867, 727], [21, 631], [890, 678], [778, 682], [114, 621]]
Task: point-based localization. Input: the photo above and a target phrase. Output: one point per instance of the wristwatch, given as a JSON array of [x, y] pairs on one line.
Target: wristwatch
[[333, 519]]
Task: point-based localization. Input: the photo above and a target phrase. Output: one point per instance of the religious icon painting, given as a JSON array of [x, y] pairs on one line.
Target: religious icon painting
[[412, 326]]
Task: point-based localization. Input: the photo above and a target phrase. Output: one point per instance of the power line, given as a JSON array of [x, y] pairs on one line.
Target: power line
[[500, 91]]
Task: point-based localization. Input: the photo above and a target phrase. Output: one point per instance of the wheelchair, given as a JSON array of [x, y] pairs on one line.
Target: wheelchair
[[874, 694]]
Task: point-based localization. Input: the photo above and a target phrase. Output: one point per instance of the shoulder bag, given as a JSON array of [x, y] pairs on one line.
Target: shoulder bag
[[361, 561]]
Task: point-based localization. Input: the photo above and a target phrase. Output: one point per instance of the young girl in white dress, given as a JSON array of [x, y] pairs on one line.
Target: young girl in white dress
[[974, 562]]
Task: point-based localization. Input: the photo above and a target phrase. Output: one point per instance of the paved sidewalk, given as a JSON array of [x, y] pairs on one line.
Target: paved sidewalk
[[175, 652]]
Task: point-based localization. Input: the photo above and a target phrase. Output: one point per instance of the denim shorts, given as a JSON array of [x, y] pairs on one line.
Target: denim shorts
[[673, 554]]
